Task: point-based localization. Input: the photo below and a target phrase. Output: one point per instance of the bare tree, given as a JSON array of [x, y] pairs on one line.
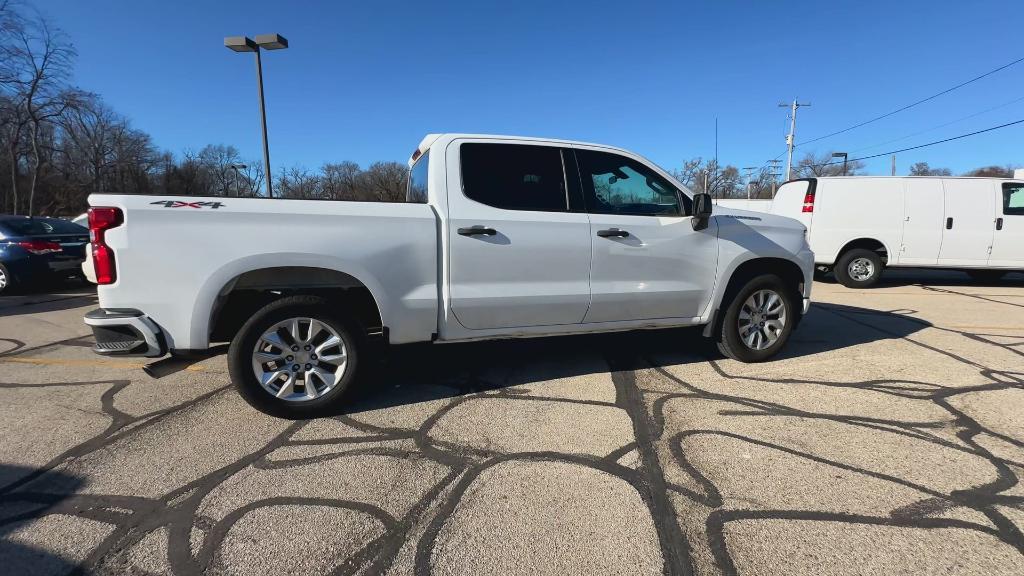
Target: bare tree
[[385, 181], [700, 176], [992, 172], [217, 160], [923, 169], [40, 63], [813, 165]]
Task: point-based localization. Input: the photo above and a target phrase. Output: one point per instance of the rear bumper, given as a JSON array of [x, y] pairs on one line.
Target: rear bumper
[[125, 332]]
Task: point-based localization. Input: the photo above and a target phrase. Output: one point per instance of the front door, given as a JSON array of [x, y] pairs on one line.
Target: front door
[[969, 221], [1008, 241], [518, 256], [648, 261]]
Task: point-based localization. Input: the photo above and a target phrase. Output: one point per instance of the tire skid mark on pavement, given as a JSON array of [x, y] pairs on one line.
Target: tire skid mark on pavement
[[178, 511], [420, 526], [983, 498]]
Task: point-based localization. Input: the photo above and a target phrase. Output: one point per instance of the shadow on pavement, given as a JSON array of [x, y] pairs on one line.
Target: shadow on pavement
[[20, 509], [893, 277], [418, 373], [34, 303]]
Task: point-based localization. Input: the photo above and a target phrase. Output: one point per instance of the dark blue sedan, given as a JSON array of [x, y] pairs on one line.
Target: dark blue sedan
[[37, 249]]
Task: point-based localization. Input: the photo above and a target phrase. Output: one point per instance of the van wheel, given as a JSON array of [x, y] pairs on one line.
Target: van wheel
[[859, 268], [986, 275], [758, 321], [296, 358]]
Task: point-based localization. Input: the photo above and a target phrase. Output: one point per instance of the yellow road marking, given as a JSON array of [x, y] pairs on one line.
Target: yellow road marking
[[958, 326], [83, 362]]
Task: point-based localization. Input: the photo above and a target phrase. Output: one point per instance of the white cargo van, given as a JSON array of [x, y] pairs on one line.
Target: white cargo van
[[858, 225]]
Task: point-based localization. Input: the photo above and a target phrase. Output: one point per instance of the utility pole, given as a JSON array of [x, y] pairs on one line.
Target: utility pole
[[893, 164], [792, 134], [750, 172], [774, 174]]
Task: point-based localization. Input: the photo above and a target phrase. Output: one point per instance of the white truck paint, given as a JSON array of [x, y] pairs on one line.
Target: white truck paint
[[975, 224], [181, 262]]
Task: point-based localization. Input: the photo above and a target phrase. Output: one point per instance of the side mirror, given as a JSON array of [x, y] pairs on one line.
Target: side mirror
[[701, 211]]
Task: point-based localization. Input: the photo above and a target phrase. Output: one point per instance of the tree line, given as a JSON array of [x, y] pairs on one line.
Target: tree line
[[60, 143]]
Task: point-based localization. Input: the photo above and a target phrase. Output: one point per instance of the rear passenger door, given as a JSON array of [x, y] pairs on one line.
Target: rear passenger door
[[1008, 241], [519, 242], [969, 222]]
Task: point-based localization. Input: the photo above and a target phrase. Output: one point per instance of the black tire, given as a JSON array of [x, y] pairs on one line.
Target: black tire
[[821, 274], [730, 342], [242, 346], [986, 275], [842, 269], [6, 280]]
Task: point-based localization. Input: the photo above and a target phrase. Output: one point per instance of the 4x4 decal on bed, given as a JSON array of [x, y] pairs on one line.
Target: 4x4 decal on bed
[[180, 204]]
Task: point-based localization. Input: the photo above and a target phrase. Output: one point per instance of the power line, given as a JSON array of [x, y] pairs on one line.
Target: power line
[[908, 106], [950, 123], [976, 132]]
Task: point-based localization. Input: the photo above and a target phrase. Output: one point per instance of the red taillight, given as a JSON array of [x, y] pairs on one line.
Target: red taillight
[[101, 220], [808, 201], [39, 247]]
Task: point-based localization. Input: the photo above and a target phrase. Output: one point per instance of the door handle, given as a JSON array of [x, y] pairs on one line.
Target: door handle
[[613, 233], [949, 223], [477, 231], [999, 223]]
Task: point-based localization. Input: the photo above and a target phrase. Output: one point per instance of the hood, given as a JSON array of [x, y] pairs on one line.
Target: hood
[[751, 228]]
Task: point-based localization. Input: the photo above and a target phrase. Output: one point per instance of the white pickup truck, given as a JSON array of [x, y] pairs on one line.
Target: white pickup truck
[[499, 237]]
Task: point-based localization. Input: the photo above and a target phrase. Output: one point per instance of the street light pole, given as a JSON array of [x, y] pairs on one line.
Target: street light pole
[[236, 168], [844, 156], [246, 44], [263, 123]]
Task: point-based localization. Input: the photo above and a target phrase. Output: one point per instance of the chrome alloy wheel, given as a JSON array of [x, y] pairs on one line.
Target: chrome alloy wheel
[[762, 319], [861, 269], [3, 280], [299, 359]]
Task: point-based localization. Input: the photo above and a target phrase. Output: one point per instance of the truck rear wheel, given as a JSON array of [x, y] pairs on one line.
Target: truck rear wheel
[[296, 358], [859, 268], [758, 321]]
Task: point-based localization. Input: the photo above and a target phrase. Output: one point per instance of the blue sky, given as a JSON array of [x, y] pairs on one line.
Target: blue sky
[[364, 81]]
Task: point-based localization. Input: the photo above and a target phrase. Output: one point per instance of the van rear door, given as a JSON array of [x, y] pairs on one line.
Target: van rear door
[[968, 225]]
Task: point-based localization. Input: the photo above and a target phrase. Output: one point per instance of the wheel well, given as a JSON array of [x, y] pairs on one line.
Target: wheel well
[[247, 293], [866, 244], [788, 271]]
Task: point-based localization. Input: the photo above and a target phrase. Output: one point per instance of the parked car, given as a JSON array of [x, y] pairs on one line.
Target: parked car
[[499, 237], [860, 225], [34, 250]]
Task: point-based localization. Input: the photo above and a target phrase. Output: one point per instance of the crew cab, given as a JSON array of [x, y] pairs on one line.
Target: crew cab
[[499, 237]]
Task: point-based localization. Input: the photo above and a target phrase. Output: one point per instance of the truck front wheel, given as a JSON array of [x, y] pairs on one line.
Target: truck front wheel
[[296, 358], [758, 321]]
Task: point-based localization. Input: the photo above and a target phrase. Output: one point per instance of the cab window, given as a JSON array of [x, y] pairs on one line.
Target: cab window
[[514, 176], [416, 192], [615, 184]]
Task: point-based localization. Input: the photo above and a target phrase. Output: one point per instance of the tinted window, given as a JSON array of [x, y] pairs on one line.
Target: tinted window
[[417, 191], [40, 226], [514, 176], [615, 184], [1013, 199]]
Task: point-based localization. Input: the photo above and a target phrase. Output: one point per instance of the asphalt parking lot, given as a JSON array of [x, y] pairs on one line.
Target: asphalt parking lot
[[889, 438]]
